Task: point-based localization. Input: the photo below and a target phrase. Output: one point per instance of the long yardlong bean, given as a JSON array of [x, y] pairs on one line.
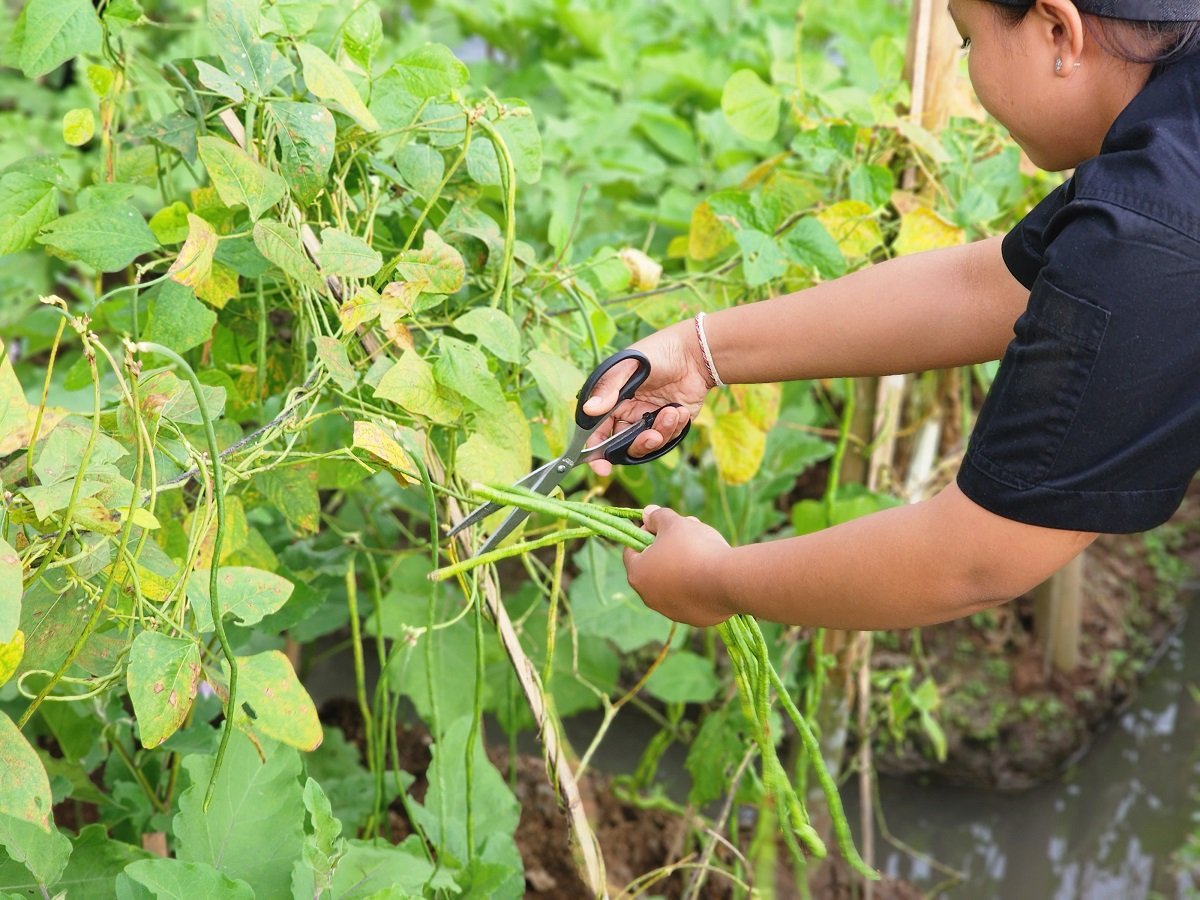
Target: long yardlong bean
[[747, 649]]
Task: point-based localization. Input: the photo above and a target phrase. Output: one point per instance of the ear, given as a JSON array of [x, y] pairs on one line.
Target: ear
[[1062, 28]]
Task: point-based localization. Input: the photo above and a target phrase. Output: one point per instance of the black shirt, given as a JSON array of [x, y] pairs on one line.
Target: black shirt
[[1093, 420]]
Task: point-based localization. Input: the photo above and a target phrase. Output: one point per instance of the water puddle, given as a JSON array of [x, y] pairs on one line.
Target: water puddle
[[1104, 831]]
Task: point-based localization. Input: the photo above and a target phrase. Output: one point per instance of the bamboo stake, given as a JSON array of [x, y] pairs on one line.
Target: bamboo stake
[[531, 686]]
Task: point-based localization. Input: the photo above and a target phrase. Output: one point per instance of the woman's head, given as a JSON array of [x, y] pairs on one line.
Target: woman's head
[[1057, 74]]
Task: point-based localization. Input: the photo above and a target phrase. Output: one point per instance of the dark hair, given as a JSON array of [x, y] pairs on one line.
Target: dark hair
[[1127, 39]]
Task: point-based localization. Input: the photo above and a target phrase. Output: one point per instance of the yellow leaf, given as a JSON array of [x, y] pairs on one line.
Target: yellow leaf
[[375, 440], [738, 446], [194, 264], [219, 287], [397, 300], [272, 703], [852, 226], [708, 235], [760, 402], [10, 656], [360, 309], [923, 229], [17, 416]]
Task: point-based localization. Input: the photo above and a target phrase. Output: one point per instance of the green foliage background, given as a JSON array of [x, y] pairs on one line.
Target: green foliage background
[[390, 275]]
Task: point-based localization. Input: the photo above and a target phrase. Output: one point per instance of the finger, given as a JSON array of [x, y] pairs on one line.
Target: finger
[[608, 388], [601, 467], [648, 515], [629, 557], [668, 424]]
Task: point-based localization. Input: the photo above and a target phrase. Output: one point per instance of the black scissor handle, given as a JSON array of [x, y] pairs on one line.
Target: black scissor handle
[[617, 452], [588, 423]]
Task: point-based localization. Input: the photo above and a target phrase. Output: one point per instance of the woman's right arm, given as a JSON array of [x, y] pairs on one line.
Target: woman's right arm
[[930, 310], [926, 311]]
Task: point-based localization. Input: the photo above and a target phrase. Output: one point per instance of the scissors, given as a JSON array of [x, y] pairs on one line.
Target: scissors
[[615, 449]]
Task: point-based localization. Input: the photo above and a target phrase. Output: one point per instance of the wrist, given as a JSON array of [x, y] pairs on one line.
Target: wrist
[[724, 583], [708, 368]]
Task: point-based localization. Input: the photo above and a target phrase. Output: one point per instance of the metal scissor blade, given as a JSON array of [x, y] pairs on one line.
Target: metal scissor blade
[[542, 480], [531, 481]]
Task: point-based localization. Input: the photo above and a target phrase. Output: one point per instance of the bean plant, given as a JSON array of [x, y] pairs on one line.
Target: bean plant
[[284, 283]]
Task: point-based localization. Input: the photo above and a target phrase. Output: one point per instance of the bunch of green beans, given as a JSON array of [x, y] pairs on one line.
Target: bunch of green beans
[[747, 649]]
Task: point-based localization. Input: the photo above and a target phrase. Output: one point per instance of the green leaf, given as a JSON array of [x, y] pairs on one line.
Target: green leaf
[[293, 491], [306, 136], [437, 264], [715, 753], [163, 676], [96, 863], [170, 224], [107, 238], [762, 260], [519, 132], [252, 62], [411, 386], [463, 368], [10, 591], [238, 178], [178, 320], [430, 71], [25, 789], [421, 167], [323, 847], [78, 126], [272, 703], [558, 381], [363, 34], [684, 677], [254, 798], [347, 255], [808, 244], [750, 105], [55, 31], [332, 354], [281, 245], [383, 871], [498, 452], [43, 853], [495, 809], [603, 604], [245, 593], [220, 82], [328, 81], [28, 200], [494, 330], [174, 879], [59, 458]]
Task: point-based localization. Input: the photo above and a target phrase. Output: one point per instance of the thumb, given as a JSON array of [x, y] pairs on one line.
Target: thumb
[[608, 388], [654, 517]]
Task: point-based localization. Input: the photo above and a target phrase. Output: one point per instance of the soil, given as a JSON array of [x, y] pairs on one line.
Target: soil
[[1010, 721], [635, 839]]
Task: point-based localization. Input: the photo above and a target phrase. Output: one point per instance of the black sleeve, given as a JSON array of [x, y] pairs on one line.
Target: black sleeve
[[1024, 248], [1093, 420]]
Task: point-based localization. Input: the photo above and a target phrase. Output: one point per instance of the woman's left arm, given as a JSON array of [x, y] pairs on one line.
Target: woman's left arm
[[944, 558]]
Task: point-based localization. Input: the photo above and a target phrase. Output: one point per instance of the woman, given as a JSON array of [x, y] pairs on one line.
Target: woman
[[1093, 302]]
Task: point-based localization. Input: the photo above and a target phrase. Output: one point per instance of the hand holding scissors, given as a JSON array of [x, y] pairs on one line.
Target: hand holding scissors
[[614, 448]]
